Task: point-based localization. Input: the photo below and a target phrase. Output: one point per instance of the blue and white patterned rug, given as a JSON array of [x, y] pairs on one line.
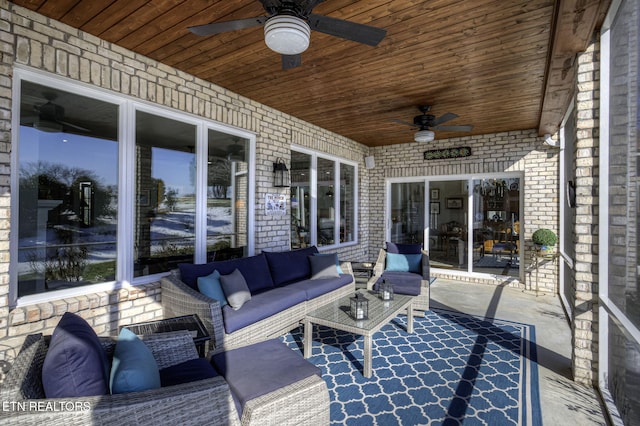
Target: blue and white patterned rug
[[454, 369]]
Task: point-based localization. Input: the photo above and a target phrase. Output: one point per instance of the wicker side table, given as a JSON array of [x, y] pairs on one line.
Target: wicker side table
[[191, 323]]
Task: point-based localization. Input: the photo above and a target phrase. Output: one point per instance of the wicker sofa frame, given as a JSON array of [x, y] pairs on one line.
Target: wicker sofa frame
[[208, 401], [202, 402], [179, 299], [421, 302]]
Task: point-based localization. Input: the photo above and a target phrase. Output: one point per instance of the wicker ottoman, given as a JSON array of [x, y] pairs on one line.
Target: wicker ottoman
[[273, 385]]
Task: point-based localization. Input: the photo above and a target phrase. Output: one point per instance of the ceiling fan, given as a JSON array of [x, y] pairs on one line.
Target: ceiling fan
[[427, 121], [288, 25], [50, 117]]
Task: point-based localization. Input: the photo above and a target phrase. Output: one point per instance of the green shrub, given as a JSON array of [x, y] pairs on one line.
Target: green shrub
[[544, 237]]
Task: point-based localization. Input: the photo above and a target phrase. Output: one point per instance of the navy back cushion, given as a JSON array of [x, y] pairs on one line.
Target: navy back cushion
[[75, 365], [254, 268], [290, 266], [404, 248]]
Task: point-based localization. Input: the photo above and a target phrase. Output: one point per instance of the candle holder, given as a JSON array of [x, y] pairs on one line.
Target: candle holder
[[385, 290], [359, 309]]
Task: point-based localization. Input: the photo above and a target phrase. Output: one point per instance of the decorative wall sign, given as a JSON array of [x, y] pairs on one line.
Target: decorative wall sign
[[441, 154], [275, 204]]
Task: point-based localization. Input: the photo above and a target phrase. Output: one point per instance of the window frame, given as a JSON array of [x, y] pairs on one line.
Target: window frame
[[313, 203], [608, 310], [128, 106]]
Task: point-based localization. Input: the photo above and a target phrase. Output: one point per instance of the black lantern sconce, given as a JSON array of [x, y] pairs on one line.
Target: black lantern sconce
[[281, 174], [359, 309], [385, 291]]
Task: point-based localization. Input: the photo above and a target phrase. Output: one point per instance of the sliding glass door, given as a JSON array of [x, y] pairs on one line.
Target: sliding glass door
[[407, 212], [469, 224]]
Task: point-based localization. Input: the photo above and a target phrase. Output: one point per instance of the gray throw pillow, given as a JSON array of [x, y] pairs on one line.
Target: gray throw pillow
[[235, 289], [323, 267]]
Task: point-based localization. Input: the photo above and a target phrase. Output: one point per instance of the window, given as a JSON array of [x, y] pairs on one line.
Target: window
[[468, 224], [619, 266], [97, 202], [67, 190], [323, 200]]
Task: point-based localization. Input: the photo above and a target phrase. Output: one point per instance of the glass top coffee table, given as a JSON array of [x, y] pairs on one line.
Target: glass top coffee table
[[336, 315]]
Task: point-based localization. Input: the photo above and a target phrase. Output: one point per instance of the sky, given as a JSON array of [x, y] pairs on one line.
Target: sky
[[101, 156]]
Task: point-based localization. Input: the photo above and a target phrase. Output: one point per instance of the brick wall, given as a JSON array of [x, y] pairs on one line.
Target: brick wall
[[517, 151], [585, 321], [31, 40]]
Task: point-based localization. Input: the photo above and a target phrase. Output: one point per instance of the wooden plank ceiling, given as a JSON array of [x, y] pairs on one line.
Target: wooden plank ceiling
[[500, 65]]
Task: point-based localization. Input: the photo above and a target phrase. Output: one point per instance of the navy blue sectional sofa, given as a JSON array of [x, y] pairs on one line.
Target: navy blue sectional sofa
[[283, 287]]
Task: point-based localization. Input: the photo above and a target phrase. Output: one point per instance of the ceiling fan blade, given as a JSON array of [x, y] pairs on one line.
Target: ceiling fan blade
[[348, 30], [75, 126], [461, 128], [446, 117], [406, 123], [222, 27], [291, 61]]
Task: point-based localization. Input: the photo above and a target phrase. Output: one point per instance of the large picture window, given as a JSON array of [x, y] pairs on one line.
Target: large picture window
[[67, 190], [99, 201], [323, 200]]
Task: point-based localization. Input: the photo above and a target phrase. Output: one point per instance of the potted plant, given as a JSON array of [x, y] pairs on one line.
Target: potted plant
[[545, 241]]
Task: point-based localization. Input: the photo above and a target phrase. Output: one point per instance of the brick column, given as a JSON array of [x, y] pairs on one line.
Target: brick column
[[585, 321]]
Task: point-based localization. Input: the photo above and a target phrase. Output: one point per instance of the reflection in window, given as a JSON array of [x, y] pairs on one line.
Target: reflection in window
[[300, 199], [333, 209], [67, 190], [227, 196], [326, 202], [165, 193], [347, 196]]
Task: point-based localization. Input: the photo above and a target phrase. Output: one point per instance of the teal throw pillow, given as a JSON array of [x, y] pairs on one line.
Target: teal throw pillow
[[404, 262], [210, 286], [333, 255], [133, 368]]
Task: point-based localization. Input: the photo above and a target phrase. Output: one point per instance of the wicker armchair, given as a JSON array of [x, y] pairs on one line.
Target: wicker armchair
[[202, 402], [421, 302]]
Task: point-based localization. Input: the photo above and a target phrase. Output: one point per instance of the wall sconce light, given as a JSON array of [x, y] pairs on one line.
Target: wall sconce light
[[281, 174]]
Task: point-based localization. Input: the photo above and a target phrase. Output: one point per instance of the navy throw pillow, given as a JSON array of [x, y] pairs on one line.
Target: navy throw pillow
[[404, 248], [290, 266], [75, 365]]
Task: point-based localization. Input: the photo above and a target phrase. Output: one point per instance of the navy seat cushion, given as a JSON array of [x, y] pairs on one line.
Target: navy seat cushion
[[261, 306], [255, 269], [187, 372], [290, 266], [75, 365], [403, 282], [318, 287], [261, 368], [404, 248]]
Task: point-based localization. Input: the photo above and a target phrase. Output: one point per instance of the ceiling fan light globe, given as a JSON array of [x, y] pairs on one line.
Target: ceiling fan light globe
[[287, 35], [424, 136]]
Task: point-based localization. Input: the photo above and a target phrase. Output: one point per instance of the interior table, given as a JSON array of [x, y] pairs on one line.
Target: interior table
[[336, 315], [191, 323]]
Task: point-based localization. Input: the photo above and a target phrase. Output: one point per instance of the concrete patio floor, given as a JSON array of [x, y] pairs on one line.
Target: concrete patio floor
[[563, 402]]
